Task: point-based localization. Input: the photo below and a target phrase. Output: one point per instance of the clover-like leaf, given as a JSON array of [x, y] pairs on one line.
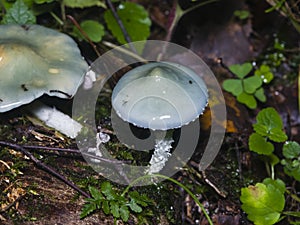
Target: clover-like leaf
[[263, 203], [241, 70], [265, 73], [247, 99], [260, 145], [260, 94], [19, 14], [251, 84], [93, 29], [83, 3], [135, 20], [233, 86]]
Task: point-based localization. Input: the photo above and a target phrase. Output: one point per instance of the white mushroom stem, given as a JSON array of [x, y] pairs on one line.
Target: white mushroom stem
[[160, 156], [55, 119]]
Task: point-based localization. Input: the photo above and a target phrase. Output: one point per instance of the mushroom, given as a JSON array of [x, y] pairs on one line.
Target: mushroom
[[35, 60], [160, 96]]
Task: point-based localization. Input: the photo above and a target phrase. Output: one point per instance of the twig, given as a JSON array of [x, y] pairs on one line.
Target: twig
[[11, 204], [74, 151], [84, 34], [121, 25], [45, 167]]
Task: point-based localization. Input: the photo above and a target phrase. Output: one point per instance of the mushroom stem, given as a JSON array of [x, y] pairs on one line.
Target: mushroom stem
[[55, 119], [160, 156]]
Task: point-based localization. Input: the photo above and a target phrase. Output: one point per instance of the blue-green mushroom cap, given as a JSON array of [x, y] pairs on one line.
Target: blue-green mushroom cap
[[160, 96], [35, 60]]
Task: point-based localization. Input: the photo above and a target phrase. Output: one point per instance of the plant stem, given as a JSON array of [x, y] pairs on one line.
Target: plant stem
[[175, 182], [61, 23]]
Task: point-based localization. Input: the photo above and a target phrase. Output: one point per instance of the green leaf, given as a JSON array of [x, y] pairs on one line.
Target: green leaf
[[263, 203], [135, 207], [247, 99], [107, 190], [124, 213], [135, 19], [233, 86], [93, 29], [19, 14], [83, 3], [260, 145], [43, 1], [279, 184], [88, 208], [96, 194], [293, 171], [270, 118], [291, 163], [142, 200], [114, 209], [260, 94], [265, 73], [277, 135], [242, 14], [291, 149], [251, 84], [241, 70], [269, 124], [105, 207]]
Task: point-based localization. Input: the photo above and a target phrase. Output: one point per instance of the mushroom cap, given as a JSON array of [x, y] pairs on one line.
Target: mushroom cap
[[35, 60], [160, 96]]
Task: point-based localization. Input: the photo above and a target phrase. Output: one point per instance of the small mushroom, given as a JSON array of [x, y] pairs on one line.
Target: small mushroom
[[35, 60], [160, 96]]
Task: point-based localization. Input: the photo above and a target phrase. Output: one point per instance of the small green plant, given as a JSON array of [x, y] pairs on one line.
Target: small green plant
[[114, 203], [135, 19], [291, 161], [19, 13], [119, 205], [264, 202], [248, 88], [275, 55], [242, 14]]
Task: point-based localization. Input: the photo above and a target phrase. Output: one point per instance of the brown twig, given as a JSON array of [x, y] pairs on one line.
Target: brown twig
[[76, 24], [44, 167], [74, 151]]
